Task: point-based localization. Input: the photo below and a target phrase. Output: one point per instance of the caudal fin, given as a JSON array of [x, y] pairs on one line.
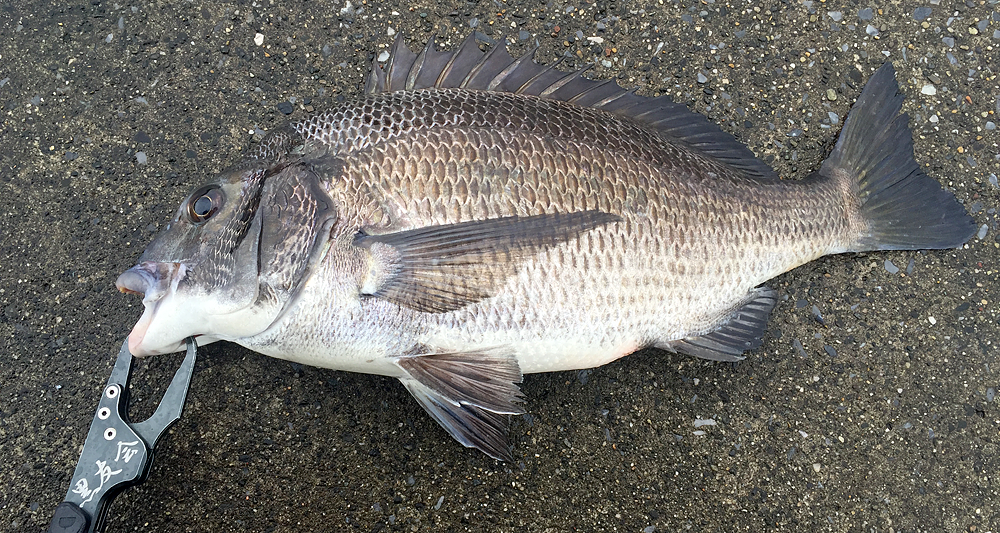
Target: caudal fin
[[904, 208]]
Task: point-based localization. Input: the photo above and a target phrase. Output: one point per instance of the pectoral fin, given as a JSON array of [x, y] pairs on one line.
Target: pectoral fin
[[468, 394], [443, 268], [739, 332]]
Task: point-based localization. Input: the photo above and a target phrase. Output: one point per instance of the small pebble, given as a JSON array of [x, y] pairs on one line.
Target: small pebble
[[866, 14], [909, 267], [990, 394], [69, 156], [948, 41], [871, 30], [921, 13], [112, 36], [258, 39], [929, 90], [797, 344], [837, 16], [990, 125], [834, 118], [831, 94], [829, 350], [704, 422], [932, 320], [286, 108], [993, 181], [982, 232], [891, 268], [140, 158], [817, 466], [702, 78], [383, 56]]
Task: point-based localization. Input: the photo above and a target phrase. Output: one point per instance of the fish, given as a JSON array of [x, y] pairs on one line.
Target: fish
[[474, 217]]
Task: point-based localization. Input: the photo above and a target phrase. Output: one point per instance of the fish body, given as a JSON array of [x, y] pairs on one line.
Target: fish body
[[475, 217], [581, 303]]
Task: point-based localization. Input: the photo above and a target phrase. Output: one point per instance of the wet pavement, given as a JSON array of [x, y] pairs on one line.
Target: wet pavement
[[871, 405]]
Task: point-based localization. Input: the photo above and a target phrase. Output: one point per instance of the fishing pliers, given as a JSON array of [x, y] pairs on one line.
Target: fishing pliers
[[118, 453]]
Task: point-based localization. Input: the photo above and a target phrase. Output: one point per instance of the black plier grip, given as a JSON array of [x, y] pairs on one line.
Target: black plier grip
[[118, 454]]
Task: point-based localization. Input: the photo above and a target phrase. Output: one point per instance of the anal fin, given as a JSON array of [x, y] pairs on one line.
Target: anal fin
[[740, 332], [468, 394]]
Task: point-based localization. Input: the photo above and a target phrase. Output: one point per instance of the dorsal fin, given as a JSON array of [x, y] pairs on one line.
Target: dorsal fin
[[468, 67]]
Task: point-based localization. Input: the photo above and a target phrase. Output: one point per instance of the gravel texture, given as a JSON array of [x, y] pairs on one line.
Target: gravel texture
[[876, 412]]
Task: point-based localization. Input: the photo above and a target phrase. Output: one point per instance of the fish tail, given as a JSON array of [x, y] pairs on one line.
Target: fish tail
[[899, 207]]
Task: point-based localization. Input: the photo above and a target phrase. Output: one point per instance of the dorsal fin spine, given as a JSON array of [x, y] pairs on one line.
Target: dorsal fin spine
[[411, 76], [570, 76], [399, 51], [478, 68], [499, 78], [597, 86], [549, 68]]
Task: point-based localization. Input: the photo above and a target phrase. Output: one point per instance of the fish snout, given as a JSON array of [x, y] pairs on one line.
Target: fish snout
[[150, 279]]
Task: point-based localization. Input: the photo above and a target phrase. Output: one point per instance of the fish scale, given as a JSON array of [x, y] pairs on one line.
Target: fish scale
[[475, 217]]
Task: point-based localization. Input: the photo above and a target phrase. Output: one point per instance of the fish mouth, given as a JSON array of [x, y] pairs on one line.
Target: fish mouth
[[152, 281]]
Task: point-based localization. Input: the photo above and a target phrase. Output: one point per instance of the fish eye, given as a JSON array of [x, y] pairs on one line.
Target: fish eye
[[204, 203]]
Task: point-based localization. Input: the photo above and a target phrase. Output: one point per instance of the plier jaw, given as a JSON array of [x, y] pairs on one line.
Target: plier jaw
[[118, 454]]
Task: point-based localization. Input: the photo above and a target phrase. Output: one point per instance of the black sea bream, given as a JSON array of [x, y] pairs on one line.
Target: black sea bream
[[474, 217]]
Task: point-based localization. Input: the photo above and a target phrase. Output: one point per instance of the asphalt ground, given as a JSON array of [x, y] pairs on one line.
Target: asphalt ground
[[870, 406]]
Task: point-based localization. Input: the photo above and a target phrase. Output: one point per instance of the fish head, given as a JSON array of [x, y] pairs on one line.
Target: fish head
[[231, 257]]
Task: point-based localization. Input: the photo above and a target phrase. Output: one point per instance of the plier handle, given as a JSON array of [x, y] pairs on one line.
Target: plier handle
[[118, 453]]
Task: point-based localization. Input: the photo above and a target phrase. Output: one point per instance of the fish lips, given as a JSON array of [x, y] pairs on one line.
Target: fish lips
[[153, 281]]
